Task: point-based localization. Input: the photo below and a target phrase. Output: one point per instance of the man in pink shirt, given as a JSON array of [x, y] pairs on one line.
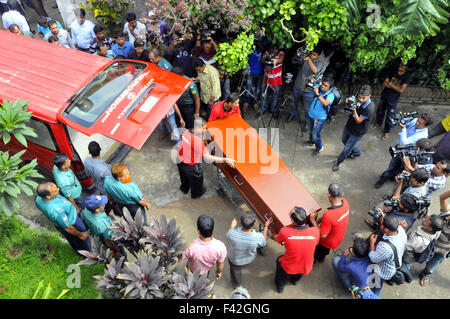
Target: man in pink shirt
[[205, 251]]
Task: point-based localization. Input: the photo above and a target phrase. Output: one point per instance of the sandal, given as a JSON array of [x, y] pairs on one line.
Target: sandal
[[385, 136], [424, 281]]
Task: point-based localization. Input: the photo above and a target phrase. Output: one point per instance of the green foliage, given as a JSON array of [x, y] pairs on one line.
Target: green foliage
[[421, 16], [234, 57], [110, 12], [47, 291], [28, 257], [13, 118]]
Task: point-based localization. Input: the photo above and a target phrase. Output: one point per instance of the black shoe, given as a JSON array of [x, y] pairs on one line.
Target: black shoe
[[184, 191], [280, 290], [290, 118], [276, 114], [353, 155], [378, 184], [200, 195], [308, 143], [260, 251], [294, 282], [316, 152]]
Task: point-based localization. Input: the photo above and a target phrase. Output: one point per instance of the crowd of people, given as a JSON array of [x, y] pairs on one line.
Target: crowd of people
[[404, 231]]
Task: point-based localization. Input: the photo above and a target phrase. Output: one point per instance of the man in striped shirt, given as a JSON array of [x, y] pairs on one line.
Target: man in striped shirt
[[438, 174], [243, 244], [382, 254]]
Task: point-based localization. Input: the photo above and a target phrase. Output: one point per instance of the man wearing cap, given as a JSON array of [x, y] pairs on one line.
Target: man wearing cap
[[63, 215], [190, 154], [159, 28], [98, 222]]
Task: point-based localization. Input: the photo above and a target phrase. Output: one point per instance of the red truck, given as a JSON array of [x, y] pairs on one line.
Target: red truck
[[77, 97]]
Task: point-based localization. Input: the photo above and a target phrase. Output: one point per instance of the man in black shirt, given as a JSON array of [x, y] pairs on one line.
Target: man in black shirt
[[139, 52], [394, 85], [357, 125]]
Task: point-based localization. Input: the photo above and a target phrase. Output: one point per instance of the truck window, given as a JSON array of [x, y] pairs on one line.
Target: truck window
[[93, 100], [44, 136]]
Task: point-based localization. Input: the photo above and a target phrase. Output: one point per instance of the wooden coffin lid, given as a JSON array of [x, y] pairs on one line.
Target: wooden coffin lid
[[280, 190]]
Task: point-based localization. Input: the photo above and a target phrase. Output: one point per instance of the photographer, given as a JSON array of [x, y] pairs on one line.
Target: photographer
[[179, 53], [438, 174], [405, 208], [442, 251], [357, 125], [411, 132], [304, 94], [352, 266], [417, 245], [417, 181], [382, 253], [317, 114], [394, 85], [206, 48], [255, 78], [274, 77]]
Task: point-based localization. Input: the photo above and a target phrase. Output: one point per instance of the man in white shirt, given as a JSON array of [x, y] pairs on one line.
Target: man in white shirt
[[62, 35], [13, 16], [82, 31], [134, 28]]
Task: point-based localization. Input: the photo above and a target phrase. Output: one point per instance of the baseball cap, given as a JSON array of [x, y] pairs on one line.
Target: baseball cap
[[95, 201]]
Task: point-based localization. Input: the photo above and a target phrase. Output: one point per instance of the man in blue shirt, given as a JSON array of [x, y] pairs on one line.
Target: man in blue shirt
[[410, 133], [317, 115], [255, 78], [63, 215], [122, 47], [353, 267], [357, 125], [82, 31], [43, 26]]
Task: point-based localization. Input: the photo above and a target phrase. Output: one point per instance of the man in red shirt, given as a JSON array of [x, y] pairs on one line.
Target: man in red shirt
[[190, 155], [299, 240], [226, 107], [274, 77], [333, 222]]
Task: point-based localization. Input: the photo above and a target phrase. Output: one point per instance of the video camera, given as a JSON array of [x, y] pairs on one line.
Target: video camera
[[315, 80], [411, 151], [301, 54], [353, 102], [402, 118], [268, 59], [404, 177], [205, 34]]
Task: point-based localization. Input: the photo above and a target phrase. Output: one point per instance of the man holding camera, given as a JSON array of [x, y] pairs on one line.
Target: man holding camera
[[318, 112], [394, 85], [303, 93], [410, 133], [438, 174], [417, 181], [357, 125], [274, 78], [179, 53], [403, 209], [383, 252], [206, 48]]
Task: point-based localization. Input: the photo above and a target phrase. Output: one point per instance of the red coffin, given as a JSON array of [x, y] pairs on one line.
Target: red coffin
[[260, 176]]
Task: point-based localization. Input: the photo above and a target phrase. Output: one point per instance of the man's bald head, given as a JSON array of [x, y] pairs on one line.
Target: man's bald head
[[47, 190]]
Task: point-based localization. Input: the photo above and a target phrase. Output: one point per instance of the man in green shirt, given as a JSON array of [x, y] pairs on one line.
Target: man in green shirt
[[210, 91], [98, 222], [63, 215], [66, 180], [124, 191], [186, 102]]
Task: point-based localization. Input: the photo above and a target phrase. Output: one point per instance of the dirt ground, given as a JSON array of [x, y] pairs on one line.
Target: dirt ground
[[156, 174]]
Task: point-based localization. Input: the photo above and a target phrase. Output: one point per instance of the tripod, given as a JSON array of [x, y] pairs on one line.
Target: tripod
[[243, 83]]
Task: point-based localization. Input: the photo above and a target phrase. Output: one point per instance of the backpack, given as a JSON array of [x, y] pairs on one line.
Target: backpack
[[331, 114], [427, 254]]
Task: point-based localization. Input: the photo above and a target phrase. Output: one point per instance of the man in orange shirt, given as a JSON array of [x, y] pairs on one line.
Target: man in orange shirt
[[226, 107], [333, 223]]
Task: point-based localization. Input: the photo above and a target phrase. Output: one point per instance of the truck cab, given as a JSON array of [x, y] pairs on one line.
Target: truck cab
[[76, 97]]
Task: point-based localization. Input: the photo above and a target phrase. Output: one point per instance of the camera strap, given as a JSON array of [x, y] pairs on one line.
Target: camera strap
[[394, 250]]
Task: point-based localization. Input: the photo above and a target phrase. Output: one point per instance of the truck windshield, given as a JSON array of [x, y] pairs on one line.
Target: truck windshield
[[93, 99]]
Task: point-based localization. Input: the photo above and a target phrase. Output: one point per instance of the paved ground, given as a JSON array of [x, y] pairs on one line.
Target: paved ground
[[157, 176]]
